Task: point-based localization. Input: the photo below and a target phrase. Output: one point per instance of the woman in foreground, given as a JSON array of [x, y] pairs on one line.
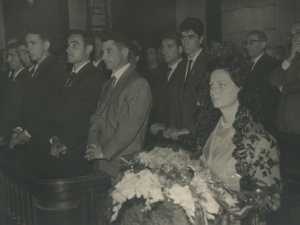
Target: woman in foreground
[[239, 150]]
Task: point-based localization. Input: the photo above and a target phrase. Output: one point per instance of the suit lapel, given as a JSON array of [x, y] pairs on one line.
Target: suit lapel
[[119, 86]]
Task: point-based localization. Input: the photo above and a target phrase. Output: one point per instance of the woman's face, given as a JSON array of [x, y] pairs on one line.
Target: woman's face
[[223, 91]]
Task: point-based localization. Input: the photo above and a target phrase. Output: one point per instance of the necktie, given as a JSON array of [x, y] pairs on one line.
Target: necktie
[[168, 73], [32, 70], [251, 65], [188, 71], [71, 80], [112, 84]]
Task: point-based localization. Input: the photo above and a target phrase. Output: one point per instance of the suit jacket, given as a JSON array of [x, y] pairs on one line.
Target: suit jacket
[[161, 94], [77, 105], [268, 95], [184, 96], [289, 104], [39, 107], [102, 67], [12, 100], [120, 121]]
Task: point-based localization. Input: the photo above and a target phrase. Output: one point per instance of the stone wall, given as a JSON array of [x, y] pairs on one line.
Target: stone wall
[[274, 17]]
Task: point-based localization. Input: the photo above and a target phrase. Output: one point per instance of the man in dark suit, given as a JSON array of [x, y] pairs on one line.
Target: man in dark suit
[[98, 53], [262, 65], [184, 95], [12, 93], [78, 102], [165, 78], [118, 127], [39, 104]]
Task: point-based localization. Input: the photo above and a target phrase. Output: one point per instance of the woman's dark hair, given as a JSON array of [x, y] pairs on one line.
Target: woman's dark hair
[[229, 58]]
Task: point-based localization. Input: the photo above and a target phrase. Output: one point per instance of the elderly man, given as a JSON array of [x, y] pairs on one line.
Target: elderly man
[[262, 65], [24, 57], [79, 99], [118, 127]]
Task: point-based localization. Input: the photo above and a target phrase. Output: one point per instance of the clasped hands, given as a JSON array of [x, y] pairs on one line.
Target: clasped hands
[[18, 137], [93, 151], [170, 132], [57, 147]]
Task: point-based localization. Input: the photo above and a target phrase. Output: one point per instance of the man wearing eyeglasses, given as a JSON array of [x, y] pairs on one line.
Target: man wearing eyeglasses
[[261, 66]]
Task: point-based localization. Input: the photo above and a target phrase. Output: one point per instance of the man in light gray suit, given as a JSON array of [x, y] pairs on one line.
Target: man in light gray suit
[[119, 124]]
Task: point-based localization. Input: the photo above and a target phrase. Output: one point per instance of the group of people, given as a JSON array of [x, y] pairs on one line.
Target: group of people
[[66, 125]]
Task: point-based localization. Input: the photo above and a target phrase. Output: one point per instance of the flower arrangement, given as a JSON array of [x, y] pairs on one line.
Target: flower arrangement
[[165, 175]]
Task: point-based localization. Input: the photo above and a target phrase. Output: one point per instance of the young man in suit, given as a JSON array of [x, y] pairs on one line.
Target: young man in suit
[[184, 94], [39, 104], [118, 127], [165, 78], [261, 66], [98, 53], [12, 93], [79, 99]]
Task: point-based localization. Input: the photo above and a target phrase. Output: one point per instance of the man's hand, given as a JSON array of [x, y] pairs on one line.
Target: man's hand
[[18, 137], [239, 213], [167, 132], [93, 151], [174, 133], [295, 48], [57, 147], [157, 127]]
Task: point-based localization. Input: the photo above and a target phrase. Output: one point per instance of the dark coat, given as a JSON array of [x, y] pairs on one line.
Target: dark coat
[[268, 95], [161, 94], [12, 102], [78, 103], [289, 104], [102, 67], [184, 96], [39, 107]]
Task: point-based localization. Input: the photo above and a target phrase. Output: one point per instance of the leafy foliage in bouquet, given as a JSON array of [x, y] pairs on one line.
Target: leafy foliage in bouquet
[[166, 178]]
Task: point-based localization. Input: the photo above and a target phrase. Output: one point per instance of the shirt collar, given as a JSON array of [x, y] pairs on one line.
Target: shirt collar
[[257, 58], [120, 72], [80, 67], [16, 73], [195, 56], [173, 67], [96, 63]]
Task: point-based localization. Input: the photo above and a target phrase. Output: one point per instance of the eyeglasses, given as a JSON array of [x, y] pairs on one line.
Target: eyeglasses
[[251, 42], [291, 35]]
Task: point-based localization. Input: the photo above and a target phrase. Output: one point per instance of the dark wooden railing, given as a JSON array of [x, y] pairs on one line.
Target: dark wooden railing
[[27, 200]]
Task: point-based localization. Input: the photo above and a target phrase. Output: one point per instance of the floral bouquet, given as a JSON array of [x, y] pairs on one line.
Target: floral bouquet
[[172, 182]]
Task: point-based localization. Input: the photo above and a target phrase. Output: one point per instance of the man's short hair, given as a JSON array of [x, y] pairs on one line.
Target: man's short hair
[[120, 38], [13, 45], [173, 36], [44, 34], [260, 34], [21, 42], [192, 24], [88, 38]]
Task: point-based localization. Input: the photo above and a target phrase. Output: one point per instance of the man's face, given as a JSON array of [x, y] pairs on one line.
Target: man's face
[[13, 59], [36, 47], [254, 46], [190, 42], [295, 33], [24, 56], [98, 49], [114, 57], [151, 55], [171, 52], [77, 51]]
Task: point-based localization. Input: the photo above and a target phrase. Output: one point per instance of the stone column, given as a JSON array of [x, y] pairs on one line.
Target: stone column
[[2, 32], [77, 14]]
